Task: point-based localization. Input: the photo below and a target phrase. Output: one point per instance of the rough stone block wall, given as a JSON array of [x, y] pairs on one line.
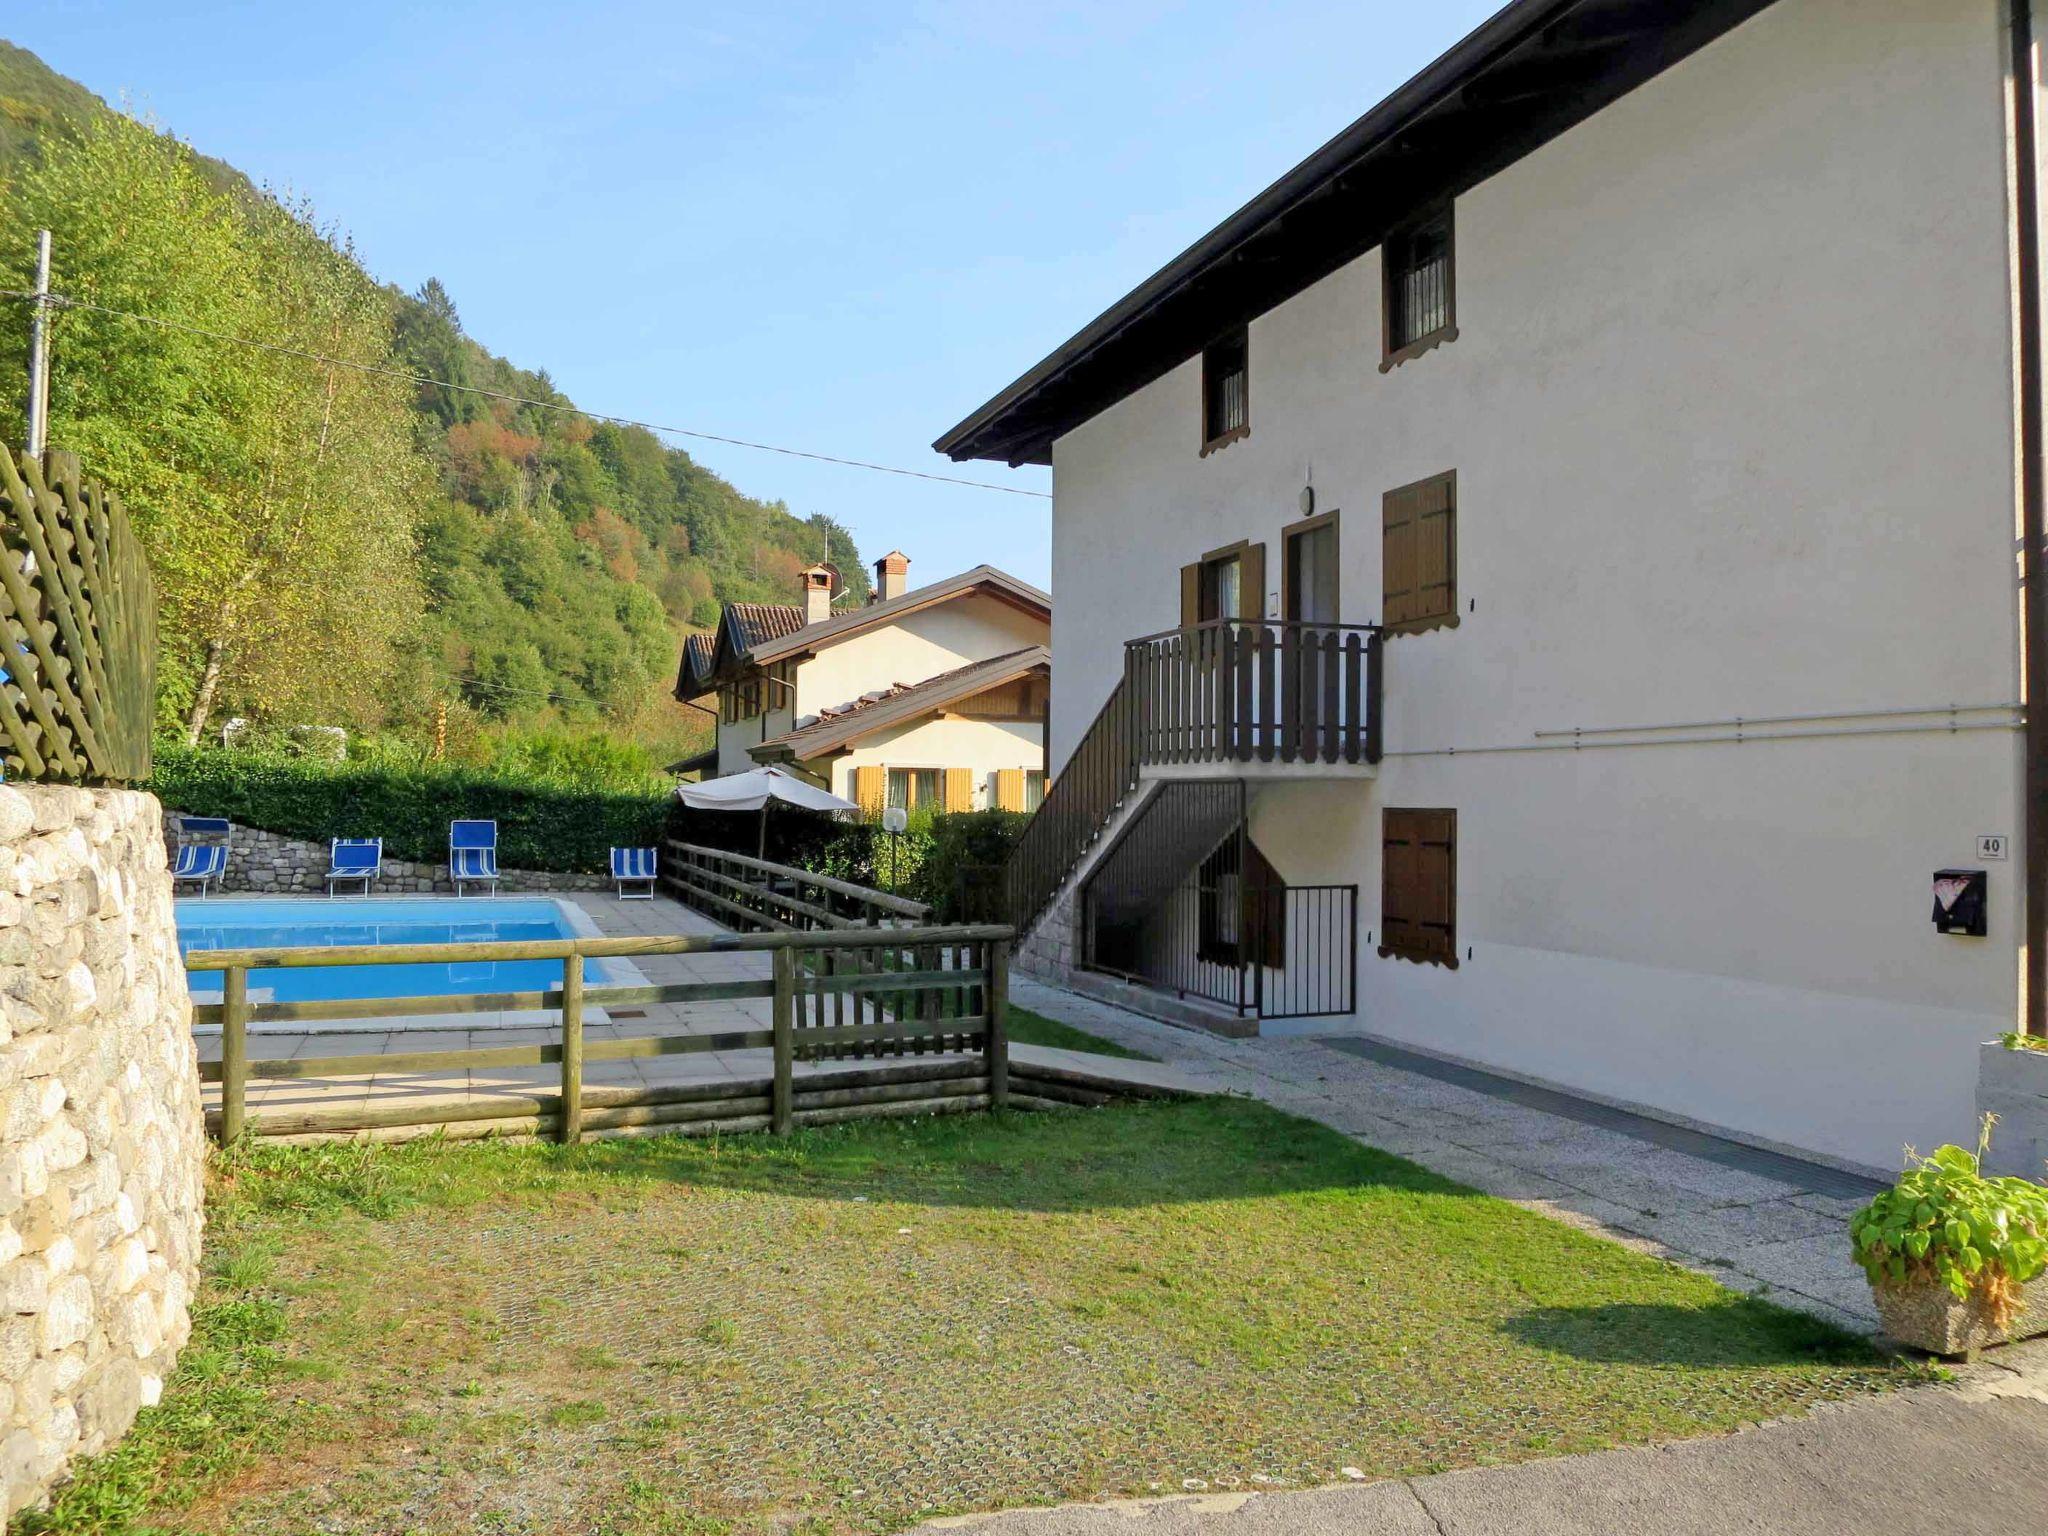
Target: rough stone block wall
[[1051, 950], [270, 864], [101, 1137]]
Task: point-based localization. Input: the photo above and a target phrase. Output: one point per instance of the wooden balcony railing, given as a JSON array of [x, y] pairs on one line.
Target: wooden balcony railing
[[1254, 691]]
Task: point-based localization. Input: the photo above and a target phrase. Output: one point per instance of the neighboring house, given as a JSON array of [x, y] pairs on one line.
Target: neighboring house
[[1576, 510], [929, 697]]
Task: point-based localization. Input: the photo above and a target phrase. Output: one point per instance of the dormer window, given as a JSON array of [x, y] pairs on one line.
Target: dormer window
[[1226, 392], [1418, 296]]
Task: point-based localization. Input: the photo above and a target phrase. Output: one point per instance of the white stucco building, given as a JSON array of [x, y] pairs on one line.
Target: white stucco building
[[1654, 380], [930, 696]]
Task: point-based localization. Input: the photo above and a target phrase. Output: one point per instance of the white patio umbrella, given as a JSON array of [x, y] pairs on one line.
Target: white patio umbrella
[[758, 789]]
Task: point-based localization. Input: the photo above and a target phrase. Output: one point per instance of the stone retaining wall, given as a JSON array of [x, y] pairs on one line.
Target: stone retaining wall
[[271, 864], [1051, 949], [101, 1136]]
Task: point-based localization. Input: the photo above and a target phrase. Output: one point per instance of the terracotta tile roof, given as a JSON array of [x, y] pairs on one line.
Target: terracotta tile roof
[[694, 674], [902, 702], [756, 623], [759, 634], [983, 579]]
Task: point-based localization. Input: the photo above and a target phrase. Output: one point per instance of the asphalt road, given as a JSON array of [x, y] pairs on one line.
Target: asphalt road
[[1963, 1458]]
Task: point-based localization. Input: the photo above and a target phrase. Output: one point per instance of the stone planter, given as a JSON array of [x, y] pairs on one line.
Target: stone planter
[[1928, 1317], [2013, 1085]]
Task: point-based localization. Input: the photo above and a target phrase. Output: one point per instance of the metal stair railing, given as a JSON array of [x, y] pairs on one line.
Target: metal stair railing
[[1079, 803]]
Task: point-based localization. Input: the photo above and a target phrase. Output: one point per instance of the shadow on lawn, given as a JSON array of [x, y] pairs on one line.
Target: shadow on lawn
[[1168, 1153], [1741, 1332]]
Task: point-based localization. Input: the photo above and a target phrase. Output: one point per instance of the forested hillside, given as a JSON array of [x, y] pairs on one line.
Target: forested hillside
[[428, 563]]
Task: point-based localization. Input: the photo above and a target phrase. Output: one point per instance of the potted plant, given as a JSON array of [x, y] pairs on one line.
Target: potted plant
[[1956, 1259]]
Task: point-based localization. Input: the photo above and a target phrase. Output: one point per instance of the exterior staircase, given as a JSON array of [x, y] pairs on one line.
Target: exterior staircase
[[1080, 805]]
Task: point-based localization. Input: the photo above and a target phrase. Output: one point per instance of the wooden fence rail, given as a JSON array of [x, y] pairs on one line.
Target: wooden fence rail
[[735, 887], [836, 995], [77, 628]]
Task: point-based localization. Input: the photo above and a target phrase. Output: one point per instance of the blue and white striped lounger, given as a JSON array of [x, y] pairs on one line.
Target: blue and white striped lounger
[[634, 866], [201, 861], [355, 858], [473, 854]]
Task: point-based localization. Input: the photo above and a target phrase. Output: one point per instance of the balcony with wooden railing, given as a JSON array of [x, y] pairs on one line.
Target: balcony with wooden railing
[[1255, 698], [1232, 699]]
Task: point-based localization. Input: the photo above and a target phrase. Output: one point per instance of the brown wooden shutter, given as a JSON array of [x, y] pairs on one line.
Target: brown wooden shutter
[[1266, 919], [1251, 583], [959, 789], [1436, 547], [1191, 595], [871, 789], [1418, 562], [1009, 789], [1419, 885]]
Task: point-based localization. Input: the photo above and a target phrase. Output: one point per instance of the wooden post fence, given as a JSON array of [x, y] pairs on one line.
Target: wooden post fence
[[234, 1052], [996, 989], [572, 1049], [782, 1115], [875, 996]]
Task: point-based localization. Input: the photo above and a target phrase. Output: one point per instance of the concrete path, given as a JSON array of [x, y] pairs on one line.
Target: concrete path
[[1757, 1222], [1966, 1458]]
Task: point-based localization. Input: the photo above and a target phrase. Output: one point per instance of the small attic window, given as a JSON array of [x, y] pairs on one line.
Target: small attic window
[[1226, 391], [1418, 298]]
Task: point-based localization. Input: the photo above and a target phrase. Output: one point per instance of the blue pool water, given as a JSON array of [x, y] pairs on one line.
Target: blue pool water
[[218, 924]]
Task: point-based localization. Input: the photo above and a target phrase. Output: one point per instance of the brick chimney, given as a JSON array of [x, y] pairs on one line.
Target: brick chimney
[[817, 584], [892, 575]]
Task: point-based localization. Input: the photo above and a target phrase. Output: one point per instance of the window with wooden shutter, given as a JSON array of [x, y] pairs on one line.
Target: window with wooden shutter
[[1419, 556], [870, 789], [1419, 885], [959, 789], [1226, 583], [1241, 908]]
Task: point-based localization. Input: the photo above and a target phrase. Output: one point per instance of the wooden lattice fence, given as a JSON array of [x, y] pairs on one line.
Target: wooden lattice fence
[[77, 628]]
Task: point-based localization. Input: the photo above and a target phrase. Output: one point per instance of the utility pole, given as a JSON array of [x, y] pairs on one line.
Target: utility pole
[[39, 351]]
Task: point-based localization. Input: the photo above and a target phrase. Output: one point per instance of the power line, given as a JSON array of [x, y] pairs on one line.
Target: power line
[[63, 301]]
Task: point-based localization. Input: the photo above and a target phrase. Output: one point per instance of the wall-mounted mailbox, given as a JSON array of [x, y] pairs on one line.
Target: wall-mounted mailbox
[[1962, 902]]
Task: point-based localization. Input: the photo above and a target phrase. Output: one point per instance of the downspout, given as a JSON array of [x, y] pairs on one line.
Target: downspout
[[2033, 512]]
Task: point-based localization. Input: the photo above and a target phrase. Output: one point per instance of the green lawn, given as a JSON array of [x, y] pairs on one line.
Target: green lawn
[[1031, 1028], [853, 1328]]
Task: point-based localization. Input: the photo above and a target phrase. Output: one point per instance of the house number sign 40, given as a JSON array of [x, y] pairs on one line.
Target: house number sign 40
[[1991, 846]]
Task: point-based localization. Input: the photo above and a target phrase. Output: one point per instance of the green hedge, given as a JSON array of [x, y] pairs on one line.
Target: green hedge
[[540, 825]]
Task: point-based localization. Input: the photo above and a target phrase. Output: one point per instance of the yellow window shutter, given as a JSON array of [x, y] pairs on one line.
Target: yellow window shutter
[[959, 789], [1009, 789], [870, 789]]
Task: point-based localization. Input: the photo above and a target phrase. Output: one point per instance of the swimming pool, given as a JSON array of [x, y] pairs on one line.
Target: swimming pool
[[279, 923]]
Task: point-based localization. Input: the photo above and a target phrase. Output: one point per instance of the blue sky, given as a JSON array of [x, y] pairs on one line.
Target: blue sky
[[834, 225]]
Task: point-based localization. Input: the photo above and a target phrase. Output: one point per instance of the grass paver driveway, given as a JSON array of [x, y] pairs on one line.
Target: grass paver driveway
[[854, 1328]]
